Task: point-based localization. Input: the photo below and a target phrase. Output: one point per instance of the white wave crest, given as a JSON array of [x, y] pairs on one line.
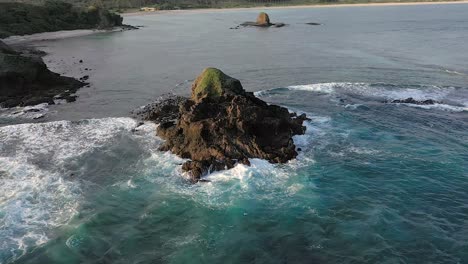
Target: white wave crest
[[443, 107], [453, 99], [36, 198]]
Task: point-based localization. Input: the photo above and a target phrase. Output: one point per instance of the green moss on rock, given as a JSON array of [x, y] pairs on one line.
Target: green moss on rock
[[214, 83]]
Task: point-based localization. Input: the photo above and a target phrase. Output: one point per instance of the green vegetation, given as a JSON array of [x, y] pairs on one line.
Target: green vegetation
[[23, 19], [214, 83], [209, 83]]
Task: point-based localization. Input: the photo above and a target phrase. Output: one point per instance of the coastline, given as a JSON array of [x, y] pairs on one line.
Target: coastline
[[16, 40], [213, 10]]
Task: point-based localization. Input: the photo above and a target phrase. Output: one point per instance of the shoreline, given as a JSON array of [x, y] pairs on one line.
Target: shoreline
[[213, 10], [54, 35]]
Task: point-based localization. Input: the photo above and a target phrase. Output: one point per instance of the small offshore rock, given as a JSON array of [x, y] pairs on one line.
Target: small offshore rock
[[263, 20], [413, 101]]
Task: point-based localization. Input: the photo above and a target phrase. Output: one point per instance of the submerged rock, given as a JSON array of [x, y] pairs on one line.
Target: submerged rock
[[313, 24], [25, 80], [413, 101], [222, 124], [263, 20]]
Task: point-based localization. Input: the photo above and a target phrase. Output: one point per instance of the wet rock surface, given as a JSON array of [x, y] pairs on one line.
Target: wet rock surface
[[25, 80], [222, 125], [413, 101], [162, 110]]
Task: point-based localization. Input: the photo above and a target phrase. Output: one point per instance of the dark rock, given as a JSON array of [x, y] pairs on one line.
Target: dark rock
[[71, 98], [84, 78], [222, 124], [25, 80], [4, 48], [163, 110], [203, 180], [38, 100], [130, 27], [81, 61], [313, 24], [413, 101]]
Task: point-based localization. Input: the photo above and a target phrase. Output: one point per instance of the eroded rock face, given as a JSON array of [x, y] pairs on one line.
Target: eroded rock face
[[25, 80], [221, 125]]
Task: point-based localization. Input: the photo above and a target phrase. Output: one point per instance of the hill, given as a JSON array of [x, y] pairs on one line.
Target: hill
[[22, 18]]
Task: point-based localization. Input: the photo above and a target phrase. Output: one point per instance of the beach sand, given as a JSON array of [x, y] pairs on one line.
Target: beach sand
[[17, 40]]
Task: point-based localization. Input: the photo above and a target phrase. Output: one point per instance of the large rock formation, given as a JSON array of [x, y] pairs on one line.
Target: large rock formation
[[263, 20], [222, 124], [25, 80]]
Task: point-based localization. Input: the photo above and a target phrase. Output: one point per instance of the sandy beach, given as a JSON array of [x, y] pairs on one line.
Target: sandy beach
[[17, 40], [211, 10]]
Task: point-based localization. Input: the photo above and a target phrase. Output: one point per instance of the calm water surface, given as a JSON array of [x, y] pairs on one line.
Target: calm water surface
[[374, 182]]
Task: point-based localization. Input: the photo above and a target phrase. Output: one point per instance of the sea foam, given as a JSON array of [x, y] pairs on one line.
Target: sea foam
[[36, 193], [454, 99]]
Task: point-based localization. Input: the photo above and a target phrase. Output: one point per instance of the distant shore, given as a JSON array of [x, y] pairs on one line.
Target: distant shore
[[209, 10]]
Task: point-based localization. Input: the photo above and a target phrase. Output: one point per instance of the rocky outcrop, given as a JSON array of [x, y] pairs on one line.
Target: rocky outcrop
[[25, 80], [222, 124], [263, 20]]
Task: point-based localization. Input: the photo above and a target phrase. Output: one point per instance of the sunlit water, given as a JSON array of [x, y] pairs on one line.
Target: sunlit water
[[374, 182]]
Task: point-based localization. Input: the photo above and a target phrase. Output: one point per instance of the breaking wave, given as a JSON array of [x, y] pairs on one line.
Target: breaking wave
[[450, 98], [37, 193]]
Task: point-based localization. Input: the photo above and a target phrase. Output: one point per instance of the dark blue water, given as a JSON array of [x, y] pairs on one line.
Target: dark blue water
[[374, 182]]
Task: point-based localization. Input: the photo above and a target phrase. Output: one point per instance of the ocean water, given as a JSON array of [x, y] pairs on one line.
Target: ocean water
[[374, 182]]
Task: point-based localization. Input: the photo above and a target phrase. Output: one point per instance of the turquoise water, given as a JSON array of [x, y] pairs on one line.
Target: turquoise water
[[374, 182]]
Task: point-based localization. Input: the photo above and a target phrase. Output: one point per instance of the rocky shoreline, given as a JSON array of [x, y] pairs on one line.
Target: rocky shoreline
[[222, 125], [25, 80]]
